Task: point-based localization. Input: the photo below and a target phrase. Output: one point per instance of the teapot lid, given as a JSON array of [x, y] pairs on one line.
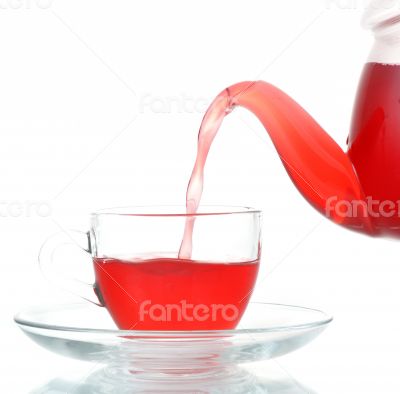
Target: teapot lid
[[383, 18], [381, 13]]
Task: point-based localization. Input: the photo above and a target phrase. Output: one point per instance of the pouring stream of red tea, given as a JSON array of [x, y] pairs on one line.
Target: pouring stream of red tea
[[329, 179], [309, 155], [300, 142]]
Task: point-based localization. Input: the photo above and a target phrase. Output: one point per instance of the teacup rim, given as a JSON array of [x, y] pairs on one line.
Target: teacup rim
[[147, 210]]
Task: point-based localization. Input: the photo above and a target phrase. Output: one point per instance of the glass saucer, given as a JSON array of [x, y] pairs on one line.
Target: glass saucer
[[86, 332]]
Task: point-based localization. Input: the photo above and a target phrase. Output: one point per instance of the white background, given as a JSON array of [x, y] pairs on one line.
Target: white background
[[100, 104]]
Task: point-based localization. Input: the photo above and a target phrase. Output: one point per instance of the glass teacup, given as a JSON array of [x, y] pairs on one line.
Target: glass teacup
[[142, 282]]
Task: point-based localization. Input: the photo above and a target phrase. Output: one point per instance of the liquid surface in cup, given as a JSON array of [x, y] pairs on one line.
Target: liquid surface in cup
[[174, 294]]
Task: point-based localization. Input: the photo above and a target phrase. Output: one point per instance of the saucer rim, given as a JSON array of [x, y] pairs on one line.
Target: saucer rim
[[21, 322]]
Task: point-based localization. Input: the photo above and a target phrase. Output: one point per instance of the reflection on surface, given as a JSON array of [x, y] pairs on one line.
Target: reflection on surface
[[233, 381]]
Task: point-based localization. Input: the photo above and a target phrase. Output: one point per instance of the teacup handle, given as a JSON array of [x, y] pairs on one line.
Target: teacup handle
[[80, 239]]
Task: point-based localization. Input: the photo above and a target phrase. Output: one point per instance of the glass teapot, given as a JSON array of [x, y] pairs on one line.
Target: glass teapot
[[359, 189]]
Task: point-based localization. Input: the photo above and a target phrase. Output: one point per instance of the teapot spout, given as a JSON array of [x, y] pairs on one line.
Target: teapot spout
[[318, 167]]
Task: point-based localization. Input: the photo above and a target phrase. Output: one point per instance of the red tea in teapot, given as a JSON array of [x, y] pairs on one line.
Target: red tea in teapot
[[374, 143]]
